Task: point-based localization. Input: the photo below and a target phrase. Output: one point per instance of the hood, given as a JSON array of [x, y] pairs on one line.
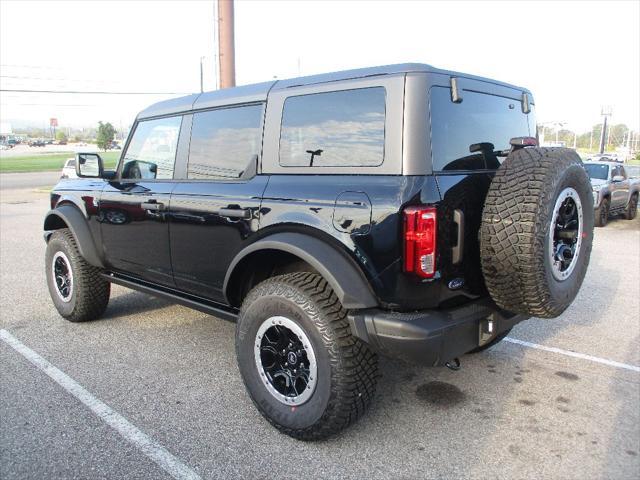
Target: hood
[[596, 182]]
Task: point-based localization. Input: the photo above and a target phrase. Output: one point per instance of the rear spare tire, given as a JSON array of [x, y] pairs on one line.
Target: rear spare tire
[[537, 231]]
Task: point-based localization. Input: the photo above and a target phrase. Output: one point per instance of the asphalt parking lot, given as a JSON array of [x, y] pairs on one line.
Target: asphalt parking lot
[[515, 411]]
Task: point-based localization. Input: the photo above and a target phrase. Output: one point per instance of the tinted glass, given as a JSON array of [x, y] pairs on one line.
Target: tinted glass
[[344, 129], [152, 150], [479, 119], [597, 171], [224, 142]]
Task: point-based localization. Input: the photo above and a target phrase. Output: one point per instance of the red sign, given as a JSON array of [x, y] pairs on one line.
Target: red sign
[[53, 122]]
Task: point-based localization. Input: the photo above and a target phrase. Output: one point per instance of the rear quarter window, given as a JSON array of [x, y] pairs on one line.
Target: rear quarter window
[[334, 129], [479, 118]]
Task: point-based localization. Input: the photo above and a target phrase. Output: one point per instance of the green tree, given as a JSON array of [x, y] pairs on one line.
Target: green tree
[[61, 136], [106, 134]]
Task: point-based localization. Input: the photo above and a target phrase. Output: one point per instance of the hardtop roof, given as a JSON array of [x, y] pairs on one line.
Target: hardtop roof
[[258, 92]]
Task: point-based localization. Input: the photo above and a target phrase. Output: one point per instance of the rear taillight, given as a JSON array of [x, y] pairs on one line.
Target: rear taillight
[[420, 241]]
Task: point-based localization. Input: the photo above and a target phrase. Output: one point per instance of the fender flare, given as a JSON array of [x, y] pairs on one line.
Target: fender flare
[[77, 223], [342, 273]]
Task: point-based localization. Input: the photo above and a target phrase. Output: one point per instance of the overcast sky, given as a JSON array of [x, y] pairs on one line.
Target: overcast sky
[[574, 56]]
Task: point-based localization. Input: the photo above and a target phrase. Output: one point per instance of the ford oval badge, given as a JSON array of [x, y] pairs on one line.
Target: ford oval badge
[[456, 283]]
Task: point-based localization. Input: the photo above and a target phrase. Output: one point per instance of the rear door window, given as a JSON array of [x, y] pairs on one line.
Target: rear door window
[[481, 119], [334, 129], [224, 142]]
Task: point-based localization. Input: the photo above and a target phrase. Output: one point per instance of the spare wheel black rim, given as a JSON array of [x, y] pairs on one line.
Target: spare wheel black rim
[[565, 234], [62, 276], [285, 360]]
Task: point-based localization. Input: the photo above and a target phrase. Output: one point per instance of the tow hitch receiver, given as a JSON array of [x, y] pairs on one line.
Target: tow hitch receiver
[[487, 329]]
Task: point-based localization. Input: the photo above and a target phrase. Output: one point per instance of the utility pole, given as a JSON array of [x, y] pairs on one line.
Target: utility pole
[[591, 139], [605, 112], [226, 46]]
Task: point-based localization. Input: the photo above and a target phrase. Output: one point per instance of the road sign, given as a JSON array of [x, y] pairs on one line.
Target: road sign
[[53, 122]]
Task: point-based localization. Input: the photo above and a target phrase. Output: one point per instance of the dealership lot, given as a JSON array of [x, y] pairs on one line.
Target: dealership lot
[[512, 412]]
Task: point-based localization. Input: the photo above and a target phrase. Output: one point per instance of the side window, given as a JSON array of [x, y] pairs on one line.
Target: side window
[[334, 129], [152, 151], [224, 142], [615, 172]]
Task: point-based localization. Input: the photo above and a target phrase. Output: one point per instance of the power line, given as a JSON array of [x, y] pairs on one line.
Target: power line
[[90, 93]]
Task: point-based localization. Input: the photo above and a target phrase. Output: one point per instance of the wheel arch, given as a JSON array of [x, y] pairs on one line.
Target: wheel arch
[[288, 248], [69, 216]]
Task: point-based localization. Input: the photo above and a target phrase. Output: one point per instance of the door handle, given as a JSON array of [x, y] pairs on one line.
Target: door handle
[[235, 213], [153, 205]]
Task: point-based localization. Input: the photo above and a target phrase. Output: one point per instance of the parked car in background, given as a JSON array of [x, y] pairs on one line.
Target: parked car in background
[[4, 146], [115, 146], [69, 169], [613, 191], [37, 143], [605, 157]]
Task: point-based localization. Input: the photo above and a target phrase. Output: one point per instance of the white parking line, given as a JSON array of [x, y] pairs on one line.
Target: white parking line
[[130, 432], [569, 353]]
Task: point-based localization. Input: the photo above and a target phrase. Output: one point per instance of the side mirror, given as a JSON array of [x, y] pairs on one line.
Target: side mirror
[[618, 178], [89, 165]]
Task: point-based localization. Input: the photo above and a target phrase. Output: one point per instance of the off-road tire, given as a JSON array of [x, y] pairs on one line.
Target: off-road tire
[[516, 222], [347, 368], [90, 293], [493, 342], [602, 213], [632, 207]]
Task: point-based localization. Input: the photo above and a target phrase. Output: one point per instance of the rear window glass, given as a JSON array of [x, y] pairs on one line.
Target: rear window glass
[[479, 119], [334, 129]]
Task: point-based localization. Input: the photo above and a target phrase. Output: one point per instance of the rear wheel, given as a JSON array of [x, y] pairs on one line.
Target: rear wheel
[[632, 207], [602, 213], [303, 369], [537, 231]]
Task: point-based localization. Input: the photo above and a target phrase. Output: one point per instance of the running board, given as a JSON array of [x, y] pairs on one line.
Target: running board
[[174, 296]]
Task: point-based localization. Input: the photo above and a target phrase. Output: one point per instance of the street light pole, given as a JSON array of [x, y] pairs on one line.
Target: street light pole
[[201, 76]]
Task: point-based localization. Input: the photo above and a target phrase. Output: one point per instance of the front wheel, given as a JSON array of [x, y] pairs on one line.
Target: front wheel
[[602, 213], [632, 207], [303, 369], [78, 291]]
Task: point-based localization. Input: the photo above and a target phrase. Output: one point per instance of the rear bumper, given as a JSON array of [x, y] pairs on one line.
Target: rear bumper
[[431, 337]]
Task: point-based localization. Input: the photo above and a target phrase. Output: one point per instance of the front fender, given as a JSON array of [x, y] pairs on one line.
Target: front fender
[[342, 273], [74, 220]]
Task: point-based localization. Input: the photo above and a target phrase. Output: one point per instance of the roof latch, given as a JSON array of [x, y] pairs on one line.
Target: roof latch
[[456, 93], [526, 106]]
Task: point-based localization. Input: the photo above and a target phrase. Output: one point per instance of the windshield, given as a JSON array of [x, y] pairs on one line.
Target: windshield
[[599, 172]]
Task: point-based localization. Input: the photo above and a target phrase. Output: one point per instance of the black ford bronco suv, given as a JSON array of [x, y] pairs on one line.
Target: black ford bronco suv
[[400, 210]]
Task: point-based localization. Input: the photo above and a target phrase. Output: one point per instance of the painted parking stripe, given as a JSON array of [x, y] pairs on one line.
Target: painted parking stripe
[[568, 353], [163, 458]]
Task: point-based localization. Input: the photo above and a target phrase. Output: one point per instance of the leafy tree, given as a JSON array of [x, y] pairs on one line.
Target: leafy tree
[[106, 134], [61, 136]]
